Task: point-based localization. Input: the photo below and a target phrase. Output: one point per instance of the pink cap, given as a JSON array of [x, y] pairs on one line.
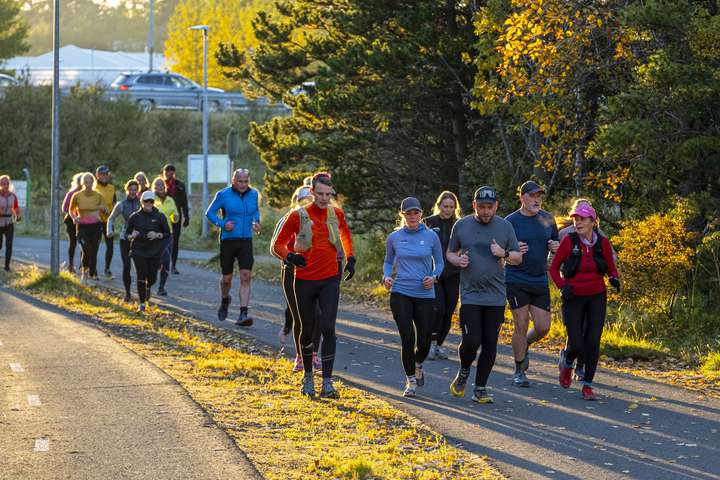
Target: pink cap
[[584, 210]]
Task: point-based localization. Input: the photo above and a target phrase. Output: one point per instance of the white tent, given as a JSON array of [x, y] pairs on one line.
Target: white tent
[[81, 65]]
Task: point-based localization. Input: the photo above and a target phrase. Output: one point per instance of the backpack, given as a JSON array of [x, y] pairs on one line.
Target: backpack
[[571, 265], [303, 239]]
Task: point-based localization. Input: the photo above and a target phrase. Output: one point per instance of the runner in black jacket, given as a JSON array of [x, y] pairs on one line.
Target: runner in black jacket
[[446, 212], [146, 229], [176, 189]]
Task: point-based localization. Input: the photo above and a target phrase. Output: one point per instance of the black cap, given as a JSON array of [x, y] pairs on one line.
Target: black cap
[[530, 187], [485, 194], [410, 203], [169, 166], [102, 169]]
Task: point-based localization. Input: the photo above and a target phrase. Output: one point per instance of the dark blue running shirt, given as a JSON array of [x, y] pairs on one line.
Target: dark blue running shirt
[[535, 231]]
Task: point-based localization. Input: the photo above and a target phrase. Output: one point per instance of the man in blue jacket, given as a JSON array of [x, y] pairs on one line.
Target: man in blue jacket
[[239, 206]]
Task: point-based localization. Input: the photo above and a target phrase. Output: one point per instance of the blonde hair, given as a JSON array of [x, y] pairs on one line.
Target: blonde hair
[[155, 180], [567, 221], [137, 176], [76, 181], [444, 196], [7, 177], [84, 175], [294, 202]]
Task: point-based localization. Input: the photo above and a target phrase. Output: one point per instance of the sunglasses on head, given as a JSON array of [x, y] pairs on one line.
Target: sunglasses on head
[[485, 194]]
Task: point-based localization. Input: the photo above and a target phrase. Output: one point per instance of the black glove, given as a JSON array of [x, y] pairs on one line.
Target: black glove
[[350, 268], [296, 259], [615, 282], [186, 222], [567, 293]]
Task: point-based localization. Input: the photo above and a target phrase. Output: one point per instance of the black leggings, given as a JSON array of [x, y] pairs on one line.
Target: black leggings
[[108, 247], [414, 319], [288, 280], [480, 327], [176, 227], [446, 299], [8, 232], [72, 239], [584, 319], [125, 255], [308, 295], [88, 235], [165, 259], [146, 269]]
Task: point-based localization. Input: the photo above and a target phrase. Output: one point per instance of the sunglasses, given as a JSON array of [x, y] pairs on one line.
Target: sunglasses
[[149, 201]]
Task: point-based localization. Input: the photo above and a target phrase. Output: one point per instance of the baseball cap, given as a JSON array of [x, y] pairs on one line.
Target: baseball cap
[[485, 194], [147, 195], [102, 169], [410, 203], [530, 187], [303, 192], [584, 210], [169, 166]]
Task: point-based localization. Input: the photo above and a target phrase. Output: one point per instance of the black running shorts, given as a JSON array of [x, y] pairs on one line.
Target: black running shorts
[[239, 249], [521, 295]]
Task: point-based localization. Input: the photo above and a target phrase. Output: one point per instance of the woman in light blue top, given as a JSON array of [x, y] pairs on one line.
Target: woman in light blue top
[[416, 253]]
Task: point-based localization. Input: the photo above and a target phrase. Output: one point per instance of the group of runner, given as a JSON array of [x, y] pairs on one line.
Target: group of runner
[[483, 259], [495, 261]]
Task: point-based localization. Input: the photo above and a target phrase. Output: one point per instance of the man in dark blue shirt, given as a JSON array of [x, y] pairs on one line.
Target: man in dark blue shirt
[[527, 283]]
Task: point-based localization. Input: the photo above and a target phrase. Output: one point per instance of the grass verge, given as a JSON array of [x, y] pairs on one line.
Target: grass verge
[[253, 396]]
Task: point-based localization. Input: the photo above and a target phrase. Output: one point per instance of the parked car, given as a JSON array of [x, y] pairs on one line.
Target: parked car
[[166, 90], [6, 81]]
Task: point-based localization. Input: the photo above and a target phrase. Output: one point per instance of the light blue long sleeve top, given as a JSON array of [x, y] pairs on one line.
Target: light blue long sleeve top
[[242, 208], [415, 254]]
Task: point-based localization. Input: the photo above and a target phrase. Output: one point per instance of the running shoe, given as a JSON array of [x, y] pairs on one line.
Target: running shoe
[[480, 395], [298, 367], [561, 360], [141, 308], [127, 298], [7, 269], [565, 377], [108, 274], [243, 320], [432, 354], [308, 385], [175, 271], [521, 380], [410, 388], [94, 278], [441, 352], [71, 268], [223, 310], [419, 376], [457, 387], [579, 373], [162, 292], [317, 364], [328, 391], [588, 394]]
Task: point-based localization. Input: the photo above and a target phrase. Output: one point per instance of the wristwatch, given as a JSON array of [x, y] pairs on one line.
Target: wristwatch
[[507, 253]]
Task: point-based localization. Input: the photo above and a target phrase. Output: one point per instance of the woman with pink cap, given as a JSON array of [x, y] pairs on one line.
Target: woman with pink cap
[[579, 268]]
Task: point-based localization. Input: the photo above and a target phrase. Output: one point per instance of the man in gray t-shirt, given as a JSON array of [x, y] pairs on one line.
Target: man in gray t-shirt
[[480, 244]]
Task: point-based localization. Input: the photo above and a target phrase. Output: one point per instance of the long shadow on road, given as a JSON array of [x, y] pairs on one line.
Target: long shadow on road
[[641, 429]]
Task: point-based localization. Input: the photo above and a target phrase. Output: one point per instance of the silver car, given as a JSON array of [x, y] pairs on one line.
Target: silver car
[[164, 90]]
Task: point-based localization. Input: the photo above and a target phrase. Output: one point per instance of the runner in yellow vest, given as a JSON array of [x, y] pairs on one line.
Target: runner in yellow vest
[[166, 205]]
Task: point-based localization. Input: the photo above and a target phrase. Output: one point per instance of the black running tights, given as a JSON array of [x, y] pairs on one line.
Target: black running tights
[[480, 327], [414, 319]]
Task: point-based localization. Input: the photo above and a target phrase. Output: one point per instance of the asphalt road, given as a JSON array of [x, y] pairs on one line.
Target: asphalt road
[[75, 404], [641, 429]]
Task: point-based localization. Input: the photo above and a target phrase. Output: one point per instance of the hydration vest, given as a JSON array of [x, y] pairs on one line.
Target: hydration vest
[[303, 239], [571, 265]]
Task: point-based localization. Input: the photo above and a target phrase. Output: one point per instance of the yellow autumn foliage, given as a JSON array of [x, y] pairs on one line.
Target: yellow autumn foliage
[[655, 257], [230, 22]]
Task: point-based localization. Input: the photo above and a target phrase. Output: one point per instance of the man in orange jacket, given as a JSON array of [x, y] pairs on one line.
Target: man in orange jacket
[[320, 233]]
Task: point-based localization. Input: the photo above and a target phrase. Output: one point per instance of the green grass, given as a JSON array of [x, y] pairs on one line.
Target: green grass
[[711, 365]]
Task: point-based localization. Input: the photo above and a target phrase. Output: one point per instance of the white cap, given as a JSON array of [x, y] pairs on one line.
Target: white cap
[[147, 195]]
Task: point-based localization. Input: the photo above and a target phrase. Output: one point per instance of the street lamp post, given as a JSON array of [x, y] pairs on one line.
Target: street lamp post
[[205, 192], [151, 36], [55, 149]]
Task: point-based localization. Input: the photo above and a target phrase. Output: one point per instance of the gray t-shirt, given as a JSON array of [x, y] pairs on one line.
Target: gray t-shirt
[[483, 281]]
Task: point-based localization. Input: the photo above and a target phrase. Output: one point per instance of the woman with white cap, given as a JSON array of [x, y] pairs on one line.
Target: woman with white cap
[[415, 252], [578, 269], [147, 230]]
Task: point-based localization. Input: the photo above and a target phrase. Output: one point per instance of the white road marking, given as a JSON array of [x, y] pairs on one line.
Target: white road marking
[[42, 445], [34, 400], [1, 344], [16, 367]]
